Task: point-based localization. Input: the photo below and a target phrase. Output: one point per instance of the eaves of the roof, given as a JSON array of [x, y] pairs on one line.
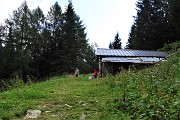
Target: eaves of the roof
[[129, 53]]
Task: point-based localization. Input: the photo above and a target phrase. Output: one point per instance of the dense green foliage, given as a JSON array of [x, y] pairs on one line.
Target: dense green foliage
[[148, 94], [174, 7], [156, 24], [171, 48], [34, 46], [116, 44]]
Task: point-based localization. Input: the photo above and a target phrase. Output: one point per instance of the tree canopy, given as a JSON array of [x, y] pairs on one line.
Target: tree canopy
[[116, 44], [35, 46], [156, 24]]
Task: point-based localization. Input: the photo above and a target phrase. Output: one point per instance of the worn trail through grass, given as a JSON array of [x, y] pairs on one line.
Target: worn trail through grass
[[60, 98]]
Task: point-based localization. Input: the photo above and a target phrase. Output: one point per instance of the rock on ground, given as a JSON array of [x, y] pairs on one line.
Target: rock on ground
[[31, 114]]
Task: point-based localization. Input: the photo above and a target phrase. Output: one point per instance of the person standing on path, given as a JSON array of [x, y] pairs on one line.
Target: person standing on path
[[76, 72]]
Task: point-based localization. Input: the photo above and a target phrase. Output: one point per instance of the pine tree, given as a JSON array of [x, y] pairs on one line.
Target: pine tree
[[151, 29], [74, 37], [129, 44], [37, 42], [110, 45], [18, 37], [174, 8], [142, 30], [55, 21], [2, 55], [116, 44], [10, 58]]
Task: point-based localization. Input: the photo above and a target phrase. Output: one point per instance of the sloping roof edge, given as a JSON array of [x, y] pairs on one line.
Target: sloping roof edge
[[129, 53]]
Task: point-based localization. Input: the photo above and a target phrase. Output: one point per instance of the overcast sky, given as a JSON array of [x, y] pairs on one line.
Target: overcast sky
[[102, 18]]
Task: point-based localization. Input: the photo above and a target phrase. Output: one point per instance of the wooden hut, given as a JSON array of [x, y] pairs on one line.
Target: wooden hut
[[112, 61]]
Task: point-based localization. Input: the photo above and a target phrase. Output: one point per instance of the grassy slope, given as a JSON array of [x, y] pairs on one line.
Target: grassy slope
[[151, 93]]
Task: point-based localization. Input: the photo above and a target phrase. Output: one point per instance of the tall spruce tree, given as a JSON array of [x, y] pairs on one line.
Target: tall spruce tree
[[116, 44], [174, 8], [141, 38], [129, 44], [152, 28], [70, 38], [110, 45], [55, 19], [2, 55], [74, 37], [18, 36], [36, 42], [10, 51]]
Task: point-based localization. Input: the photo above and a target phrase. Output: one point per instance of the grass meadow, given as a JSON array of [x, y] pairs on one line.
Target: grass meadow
[[148, 94]]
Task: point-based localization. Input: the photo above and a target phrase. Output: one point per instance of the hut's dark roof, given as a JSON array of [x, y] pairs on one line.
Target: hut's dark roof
[[129, 53]]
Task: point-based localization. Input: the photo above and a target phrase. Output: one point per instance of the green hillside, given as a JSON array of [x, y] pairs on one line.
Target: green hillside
[[151, 93]]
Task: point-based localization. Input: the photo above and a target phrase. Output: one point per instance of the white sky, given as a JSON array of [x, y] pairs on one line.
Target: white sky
[[102, 18]]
